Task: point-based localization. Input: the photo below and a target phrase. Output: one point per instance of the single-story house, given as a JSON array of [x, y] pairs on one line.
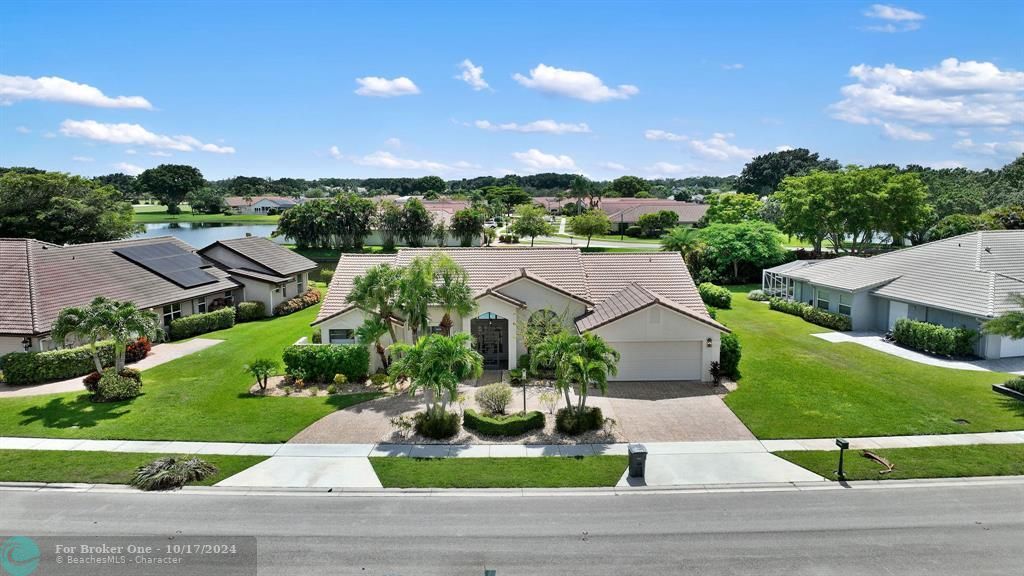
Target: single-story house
[[268, 272], [644, 304], [163, 275], [625, 212], [260, 205], [957, 282]]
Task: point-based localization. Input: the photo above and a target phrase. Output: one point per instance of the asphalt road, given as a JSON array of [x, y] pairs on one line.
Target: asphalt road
[[964, 530]]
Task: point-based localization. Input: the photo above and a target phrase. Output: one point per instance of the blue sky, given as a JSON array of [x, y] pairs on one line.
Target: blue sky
[[381, 89]]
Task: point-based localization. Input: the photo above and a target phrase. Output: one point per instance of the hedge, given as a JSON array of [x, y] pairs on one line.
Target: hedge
[[812, 314], [569, 422], [249, 311], [715, 295], [511, 425], [320, 362], [188, 326], [304, 300], [33, 367], [934, 339], [729, 355]]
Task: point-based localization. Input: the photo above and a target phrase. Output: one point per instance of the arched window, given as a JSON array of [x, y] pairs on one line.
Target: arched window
[[541, 324]]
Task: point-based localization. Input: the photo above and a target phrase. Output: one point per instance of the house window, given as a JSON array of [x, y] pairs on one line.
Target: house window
[[845, 304], [436, 330], [300, 283], [200, 306], [341, 336], [229, 299], [823, 299], [488, 316], [171, 313]]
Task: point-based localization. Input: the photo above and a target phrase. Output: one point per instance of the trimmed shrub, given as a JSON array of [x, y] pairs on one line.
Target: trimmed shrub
[[438, 427], [569, 423], [114, 387], [757, 296], [494, 398], [934, 339], [33, 367], [189, 326], [508, 239], [511, 425], [811, 314], [249, 311], [321, 362], [729, 356], [1016, 384], [634, 232], [137, 350], [170, 472], [305, 300], [716, 296]]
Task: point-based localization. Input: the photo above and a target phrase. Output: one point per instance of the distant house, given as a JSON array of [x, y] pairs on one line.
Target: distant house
[[956, 282], [625, 212], [268, 272], [260, 205], [441, 210]]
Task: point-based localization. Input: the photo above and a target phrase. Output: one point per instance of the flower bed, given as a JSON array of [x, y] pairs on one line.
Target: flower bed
[[305, 300]]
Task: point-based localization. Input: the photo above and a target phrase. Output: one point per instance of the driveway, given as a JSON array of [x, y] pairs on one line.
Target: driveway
[[875, 341]]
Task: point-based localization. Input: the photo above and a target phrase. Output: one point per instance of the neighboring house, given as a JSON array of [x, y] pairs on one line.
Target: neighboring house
[[957, 282], [260, 205], [268, 272], [644, 304], [164, 275], [625, 212], [441, 210]]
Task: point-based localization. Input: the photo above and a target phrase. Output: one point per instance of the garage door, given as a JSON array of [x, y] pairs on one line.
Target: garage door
[[679, 360], [1009, 348]]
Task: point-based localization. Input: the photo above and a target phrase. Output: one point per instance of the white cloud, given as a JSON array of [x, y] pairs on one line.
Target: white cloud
[[393, 143], [23, 130], [719, 148], [783, 147], [663, 135], [613, 166], [124, 133], [543, 126], [385, 88], [574, 84], [472, 75], [382, 159], [130, 152], [534, 158], [54, 89], [335, 152], [1009, 149], [83, 158], [665, 169], [161, 154], [128, 168], [962, 133], [897, 19], [736, 66], [954, 93], [900, 132]]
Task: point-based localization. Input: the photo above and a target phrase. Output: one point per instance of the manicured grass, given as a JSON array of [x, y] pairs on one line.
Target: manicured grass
[[544, 472], [937, 462], [156, 216], [203, 396], [613, 238], [100, 467], [794, 385]]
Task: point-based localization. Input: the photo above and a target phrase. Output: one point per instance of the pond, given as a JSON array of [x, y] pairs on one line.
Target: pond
[[200, 234]]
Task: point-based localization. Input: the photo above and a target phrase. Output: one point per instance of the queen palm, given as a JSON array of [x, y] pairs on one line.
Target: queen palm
[[377, 291], [438, 364], [451, 290]]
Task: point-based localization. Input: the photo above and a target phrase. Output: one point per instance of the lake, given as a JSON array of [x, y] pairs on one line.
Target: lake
[[201, 234]]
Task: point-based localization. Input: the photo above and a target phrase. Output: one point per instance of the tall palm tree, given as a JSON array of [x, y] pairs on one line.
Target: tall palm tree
[[590, 364], [377, 292], [438, 364], [371, 331], [451, 290], [1009, 323], [124, 324], [87, 324], [553, 351], [415, 293]]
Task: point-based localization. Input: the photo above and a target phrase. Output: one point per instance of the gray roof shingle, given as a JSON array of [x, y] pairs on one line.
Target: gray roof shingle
[[266, 253]]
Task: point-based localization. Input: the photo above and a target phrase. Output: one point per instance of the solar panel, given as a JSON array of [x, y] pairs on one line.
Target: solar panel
[[170, 261]]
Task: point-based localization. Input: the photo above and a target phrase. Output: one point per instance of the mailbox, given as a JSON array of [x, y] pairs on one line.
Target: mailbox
[[843, 444]]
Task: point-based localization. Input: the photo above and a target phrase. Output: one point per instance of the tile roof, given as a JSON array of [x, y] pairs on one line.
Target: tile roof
[[266, 253], [630, 299], [349, 266], [661, 272], [630, 209], [53, 277]]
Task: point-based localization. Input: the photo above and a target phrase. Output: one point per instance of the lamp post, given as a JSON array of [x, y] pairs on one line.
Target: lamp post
[[843, 446]]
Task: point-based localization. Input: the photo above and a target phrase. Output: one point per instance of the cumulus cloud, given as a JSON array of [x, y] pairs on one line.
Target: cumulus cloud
[[719, 148], [384, 88], [953, 94], [335, 152], [900, 132], [127, 168], [534, 158], [383, 159], [783, 147], [54, 89], [663, 135], [135, 134], [896, 19], [542, 126], [472, 75], [1008, 149], [574, 84]]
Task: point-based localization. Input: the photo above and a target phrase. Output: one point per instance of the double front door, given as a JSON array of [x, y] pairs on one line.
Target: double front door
[[490, 339]]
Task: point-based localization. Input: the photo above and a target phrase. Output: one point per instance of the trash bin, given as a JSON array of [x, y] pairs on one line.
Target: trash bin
[[637, 460]]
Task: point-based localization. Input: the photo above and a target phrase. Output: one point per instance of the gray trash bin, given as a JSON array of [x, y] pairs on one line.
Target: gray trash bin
[[637, 460]]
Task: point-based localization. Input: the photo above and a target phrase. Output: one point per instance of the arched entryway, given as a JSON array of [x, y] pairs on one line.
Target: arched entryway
[[490, 339]]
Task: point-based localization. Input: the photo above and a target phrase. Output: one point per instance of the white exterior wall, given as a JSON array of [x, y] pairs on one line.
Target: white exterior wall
[[353, 319], [10, 344]]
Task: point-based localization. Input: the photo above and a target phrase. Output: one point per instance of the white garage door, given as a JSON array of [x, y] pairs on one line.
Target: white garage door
[[680, 360], [1009, 347]]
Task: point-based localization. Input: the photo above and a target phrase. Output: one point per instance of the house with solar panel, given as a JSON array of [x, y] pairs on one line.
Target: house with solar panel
[[163, 275]]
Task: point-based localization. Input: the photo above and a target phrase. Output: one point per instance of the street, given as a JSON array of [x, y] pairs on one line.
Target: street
[[957, 530]]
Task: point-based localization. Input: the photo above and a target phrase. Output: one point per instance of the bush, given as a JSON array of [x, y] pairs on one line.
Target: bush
[[196, 324], [305, 300], [569, 423], [715, 295], [729, 356], [169, 472], [321, 362], [512, 425], [379, 379], [508, 239], [249, 311], [634, 231], [33, 367], [1016, 384], [494, 398], [316, 337], [812, 314], [114, 387], [438, 427], [340, 379], [757, 296], [137, 350], [934, 339]]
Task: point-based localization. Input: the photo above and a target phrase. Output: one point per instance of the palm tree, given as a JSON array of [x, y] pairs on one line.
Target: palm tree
[[590, 364], [451, 290], [376, 291], [87, 324], [415, 293], [1009, 323], [124, 324], [684, 240], [372, 330], [438, 364], [552, 352]]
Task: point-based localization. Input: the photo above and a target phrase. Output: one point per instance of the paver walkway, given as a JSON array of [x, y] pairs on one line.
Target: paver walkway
[[160, 354], [874, 341]]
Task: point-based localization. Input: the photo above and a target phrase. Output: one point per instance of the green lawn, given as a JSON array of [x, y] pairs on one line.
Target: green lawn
[[794, 385], [100, 467], [203, 396], [146, 216], [937, 462], [613, 238], [543, 472]]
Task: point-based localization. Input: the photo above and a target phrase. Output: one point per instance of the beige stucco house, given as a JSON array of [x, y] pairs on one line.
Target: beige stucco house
[[644, 304]]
